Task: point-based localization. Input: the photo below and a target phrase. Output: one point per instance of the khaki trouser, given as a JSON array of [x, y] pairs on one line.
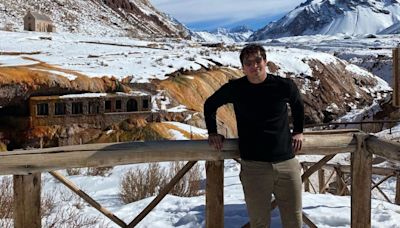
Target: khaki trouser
[[283, 179]]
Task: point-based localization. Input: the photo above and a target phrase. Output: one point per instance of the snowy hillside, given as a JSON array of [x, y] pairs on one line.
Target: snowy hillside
[[369, 52], [222, 35], [324, 80], [331, 17], [135, 18]]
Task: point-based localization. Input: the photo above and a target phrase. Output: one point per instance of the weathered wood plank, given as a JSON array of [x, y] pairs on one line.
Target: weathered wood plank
[[87, 198], [111, 154], [384, 148], [316, 166], [361, 163], [308, 221], [215, 194], [27, 201], [347, 168], [321, 181], [306, 181], [380, 191]]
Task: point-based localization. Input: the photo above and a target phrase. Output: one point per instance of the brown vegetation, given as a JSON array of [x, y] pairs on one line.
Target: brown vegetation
[[190, 184], [192, 92], [139, 183]]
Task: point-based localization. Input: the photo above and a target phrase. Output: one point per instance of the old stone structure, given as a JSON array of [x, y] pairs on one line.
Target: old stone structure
[[99, 109], [37, 22]]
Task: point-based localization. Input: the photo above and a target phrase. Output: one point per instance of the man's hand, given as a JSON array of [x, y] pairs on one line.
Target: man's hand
[[216, 140], [297, 142]]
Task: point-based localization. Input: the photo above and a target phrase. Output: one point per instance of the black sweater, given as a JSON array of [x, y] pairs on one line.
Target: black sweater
[[261, 115]]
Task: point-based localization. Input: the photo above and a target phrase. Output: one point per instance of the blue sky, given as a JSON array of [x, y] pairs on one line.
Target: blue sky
[[210, 14]]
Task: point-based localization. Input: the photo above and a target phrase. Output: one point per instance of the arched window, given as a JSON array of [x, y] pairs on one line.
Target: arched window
[[131, 106]]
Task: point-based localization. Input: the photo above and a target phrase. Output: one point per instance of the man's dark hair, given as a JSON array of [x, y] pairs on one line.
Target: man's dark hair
[[250, 50]]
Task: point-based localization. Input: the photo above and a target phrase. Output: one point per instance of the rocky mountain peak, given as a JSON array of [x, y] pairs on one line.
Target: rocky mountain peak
[[331, 17]]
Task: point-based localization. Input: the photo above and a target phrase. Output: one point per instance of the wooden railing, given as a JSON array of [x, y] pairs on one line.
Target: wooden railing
[[342, 178], [27, 165]]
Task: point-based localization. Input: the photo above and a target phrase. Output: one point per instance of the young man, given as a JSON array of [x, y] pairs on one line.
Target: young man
[[267, 147]]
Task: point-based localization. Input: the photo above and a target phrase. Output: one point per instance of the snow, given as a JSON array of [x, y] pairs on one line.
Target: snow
[[190, 129], [6, 61], [325, 210], [70, 77], [83, 95], [179, 108], [333, 18]]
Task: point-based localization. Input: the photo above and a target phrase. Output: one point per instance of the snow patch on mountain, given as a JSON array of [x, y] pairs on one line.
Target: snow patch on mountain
[[223, 35], [331, 17]]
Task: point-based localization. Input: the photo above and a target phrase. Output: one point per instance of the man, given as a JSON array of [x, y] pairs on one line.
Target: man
[[267, 147]]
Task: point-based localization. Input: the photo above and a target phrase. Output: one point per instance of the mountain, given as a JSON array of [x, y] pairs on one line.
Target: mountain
[[394, 29], [135, 18], [329, 17], [224, 35]]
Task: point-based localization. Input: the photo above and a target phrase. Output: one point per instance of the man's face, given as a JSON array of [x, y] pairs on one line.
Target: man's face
[[254, 67]]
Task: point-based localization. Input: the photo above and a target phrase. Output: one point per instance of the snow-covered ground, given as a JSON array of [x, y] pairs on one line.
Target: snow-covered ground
[[325, 210], [146, 60], [122, 57]]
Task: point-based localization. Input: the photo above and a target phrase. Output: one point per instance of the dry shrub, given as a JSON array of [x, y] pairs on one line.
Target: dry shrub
[[99, 171], [138, 184], [74, 171], [55, 215], [47, 204], [8, 27], [69, 218], [189, 185]]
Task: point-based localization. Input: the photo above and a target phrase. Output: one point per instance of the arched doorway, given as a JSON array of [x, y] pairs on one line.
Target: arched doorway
[[131, 106]]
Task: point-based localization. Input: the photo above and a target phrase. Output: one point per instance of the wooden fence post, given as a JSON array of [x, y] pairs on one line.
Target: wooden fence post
[[215, 194], [27, 201], [306, 181], [321, 180], [361, 170]]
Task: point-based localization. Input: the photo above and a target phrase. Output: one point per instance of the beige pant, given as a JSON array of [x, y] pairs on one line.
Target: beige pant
[[283, 179]]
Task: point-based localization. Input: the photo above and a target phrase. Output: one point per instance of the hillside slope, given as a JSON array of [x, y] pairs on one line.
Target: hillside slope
[[135, 18]]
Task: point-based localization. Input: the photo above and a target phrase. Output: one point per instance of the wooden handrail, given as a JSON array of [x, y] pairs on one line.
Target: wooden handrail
[[23, 162], [327, 143], [347, 168]]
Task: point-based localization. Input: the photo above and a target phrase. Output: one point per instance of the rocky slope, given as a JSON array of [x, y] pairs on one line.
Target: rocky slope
[[352, 17], [135, 18]]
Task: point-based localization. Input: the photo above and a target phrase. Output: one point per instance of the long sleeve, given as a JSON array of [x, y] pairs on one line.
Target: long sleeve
[[220, 97], [297, 107]]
